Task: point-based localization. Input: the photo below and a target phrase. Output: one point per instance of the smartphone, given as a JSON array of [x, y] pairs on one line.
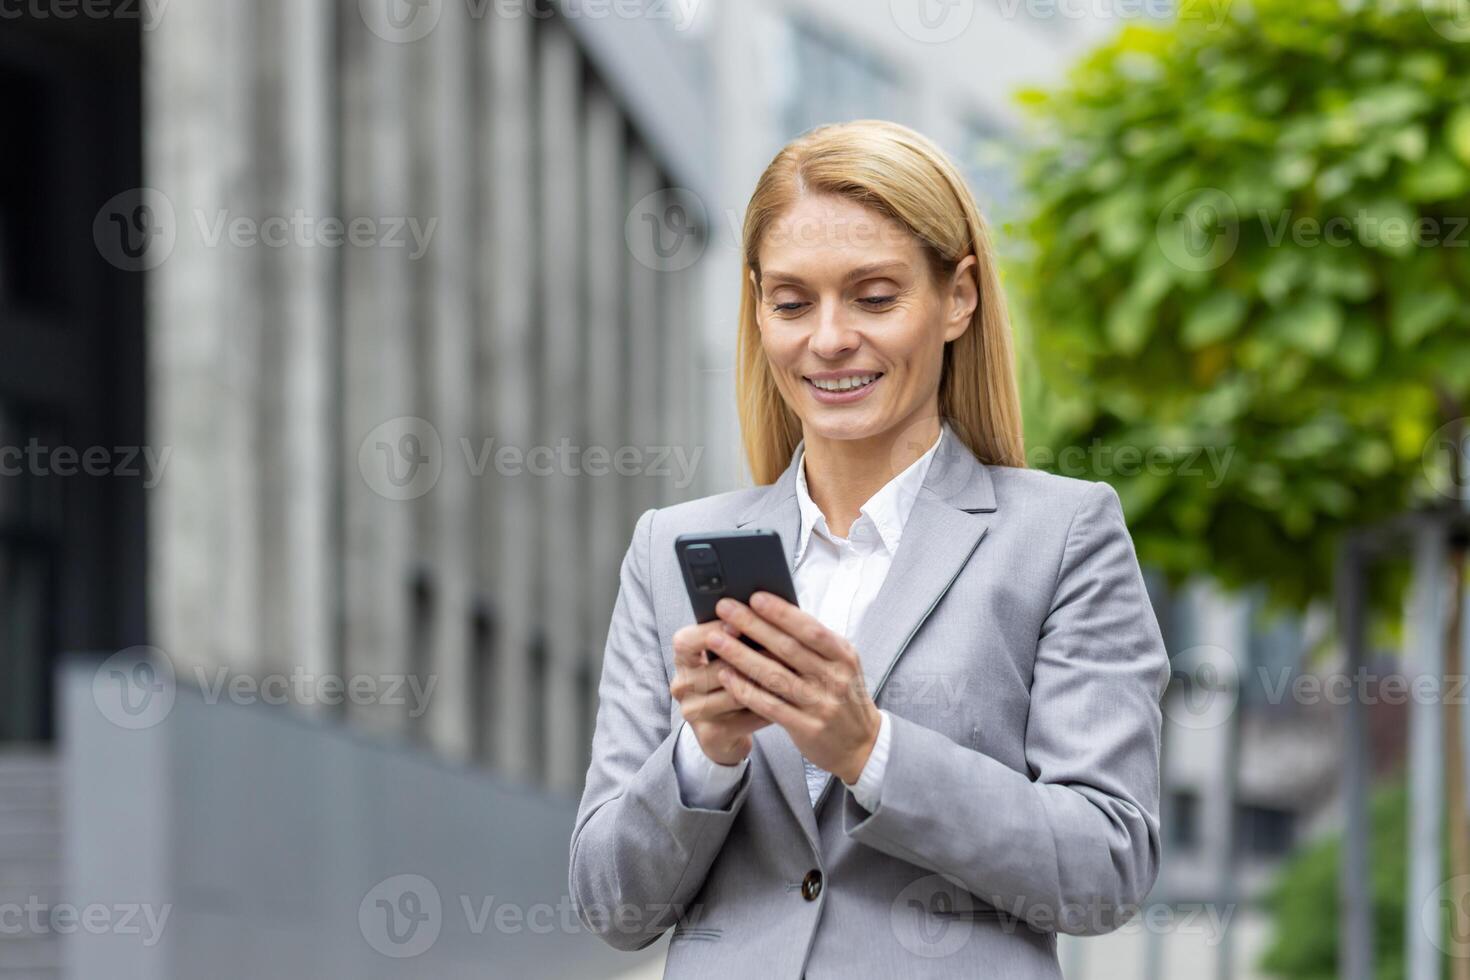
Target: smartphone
[[735, 564]]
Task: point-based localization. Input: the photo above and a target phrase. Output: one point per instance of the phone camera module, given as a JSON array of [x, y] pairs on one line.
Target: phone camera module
[[704, 568]]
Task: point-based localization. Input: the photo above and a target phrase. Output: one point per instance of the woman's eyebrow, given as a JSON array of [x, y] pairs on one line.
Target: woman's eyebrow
[[873, 268], [861, 272]]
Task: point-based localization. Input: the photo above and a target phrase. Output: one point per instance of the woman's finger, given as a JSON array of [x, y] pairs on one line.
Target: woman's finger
[[761, 701], [743, 722], [805, 628], [781, 645], [686, 653], [691, 641], [711, 705], [765, 670]]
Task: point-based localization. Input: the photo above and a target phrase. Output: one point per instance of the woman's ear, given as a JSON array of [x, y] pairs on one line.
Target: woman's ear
[[964, 296]]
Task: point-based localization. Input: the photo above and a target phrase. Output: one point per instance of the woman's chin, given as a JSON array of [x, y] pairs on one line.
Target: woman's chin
[[829, 423]]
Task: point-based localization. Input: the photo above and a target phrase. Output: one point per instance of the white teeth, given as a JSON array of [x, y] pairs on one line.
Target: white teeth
[[845, 384]]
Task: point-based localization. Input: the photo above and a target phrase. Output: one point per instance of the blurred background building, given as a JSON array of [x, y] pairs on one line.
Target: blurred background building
[[332, 500], [419, 454]]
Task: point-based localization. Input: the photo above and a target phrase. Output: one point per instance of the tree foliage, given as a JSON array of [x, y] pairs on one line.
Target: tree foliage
[[1303, 902], [1248, 237]]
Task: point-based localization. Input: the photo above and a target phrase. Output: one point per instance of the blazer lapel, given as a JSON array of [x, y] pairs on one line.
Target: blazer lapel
[[949, 517]]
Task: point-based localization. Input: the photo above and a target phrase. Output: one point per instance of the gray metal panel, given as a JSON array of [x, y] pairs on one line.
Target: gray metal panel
[[452, 396], [269, 836], [203, 328], [643, 379], [606, 254], [1424, 657], [508, 547], [378, 354], [562, 395]]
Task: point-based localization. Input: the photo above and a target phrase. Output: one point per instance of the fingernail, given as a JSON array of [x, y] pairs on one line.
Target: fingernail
[[759, 600]]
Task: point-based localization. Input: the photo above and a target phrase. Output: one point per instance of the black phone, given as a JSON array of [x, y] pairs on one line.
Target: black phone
[[737, 564]]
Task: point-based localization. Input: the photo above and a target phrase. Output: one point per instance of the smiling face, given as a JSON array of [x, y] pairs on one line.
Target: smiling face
[[852, 319]]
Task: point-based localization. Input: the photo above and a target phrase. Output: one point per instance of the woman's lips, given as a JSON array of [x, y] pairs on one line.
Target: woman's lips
[[842, 397]]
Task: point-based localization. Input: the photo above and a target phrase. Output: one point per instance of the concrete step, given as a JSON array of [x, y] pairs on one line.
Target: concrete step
[[31, 861]]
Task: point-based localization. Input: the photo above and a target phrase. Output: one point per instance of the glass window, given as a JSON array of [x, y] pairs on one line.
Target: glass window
[[1264, 831], [987, 159], [1183, 819], [832, 80], [1275, 655]]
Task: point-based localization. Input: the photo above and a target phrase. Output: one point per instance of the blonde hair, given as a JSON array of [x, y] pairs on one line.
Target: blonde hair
[[902, 175]]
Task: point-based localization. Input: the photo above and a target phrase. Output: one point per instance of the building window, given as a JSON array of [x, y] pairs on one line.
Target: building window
[[832, 80], [1275, 655], [1264, 831], [32, 254], [484, 673], [422, 621], [987, 162], [1182, 820]]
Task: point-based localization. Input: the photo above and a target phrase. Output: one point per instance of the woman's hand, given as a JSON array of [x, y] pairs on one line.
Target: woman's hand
[[722, 724], [810, 681]]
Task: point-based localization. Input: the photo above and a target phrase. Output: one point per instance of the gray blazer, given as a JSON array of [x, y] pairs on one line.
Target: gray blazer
[[1015, 648]]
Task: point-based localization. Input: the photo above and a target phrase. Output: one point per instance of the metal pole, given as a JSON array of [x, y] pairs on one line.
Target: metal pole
[[1454, 759], [1424, 653], [1456, 731], [1355, 898], [1235, 624]]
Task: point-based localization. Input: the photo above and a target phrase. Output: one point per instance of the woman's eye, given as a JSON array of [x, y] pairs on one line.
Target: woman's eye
[[788, 307], [877, 301]]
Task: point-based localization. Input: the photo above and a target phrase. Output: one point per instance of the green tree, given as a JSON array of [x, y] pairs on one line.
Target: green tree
[[1303, 902], [1245, 302], [1247, 279]]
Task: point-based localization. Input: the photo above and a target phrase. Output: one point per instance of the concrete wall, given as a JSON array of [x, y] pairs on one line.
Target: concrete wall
[[233, 840]]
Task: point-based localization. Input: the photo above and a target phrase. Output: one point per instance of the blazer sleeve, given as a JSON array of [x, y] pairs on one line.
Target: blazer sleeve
[[638, 854], [1072, 845]]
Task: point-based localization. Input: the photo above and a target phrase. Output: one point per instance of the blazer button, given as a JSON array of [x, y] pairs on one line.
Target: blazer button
[[811, 885]]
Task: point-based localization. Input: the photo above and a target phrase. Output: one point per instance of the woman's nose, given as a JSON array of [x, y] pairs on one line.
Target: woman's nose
[[832, 336]]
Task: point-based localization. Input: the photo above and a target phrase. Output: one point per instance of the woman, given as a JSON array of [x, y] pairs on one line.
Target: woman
[[951, 751]]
